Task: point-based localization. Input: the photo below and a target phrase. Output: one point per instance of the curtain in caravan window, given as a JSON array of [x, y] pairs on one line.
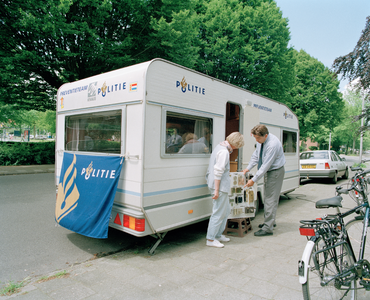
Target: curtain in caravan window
[[186, 134], [94, 132], [75, 134], [203, 132], [289, 141]]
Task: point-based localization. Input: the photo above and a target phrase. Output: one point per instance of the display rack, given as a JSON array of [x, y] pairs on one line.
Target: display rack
[[242, 200]]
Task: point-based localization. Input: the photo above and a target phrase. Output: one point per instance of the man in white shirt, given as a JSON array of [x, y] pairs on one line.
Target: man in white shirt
[[269, 156], [218, 181]]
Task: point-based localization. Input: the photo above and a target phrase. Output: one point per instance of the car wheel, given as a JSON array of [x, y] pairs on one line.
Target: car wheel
[[345, 176], [335, 178]]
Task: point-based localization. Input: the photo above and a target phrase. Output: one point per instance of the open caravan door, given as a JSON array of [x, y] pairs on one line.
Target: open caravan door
[[251, 118]]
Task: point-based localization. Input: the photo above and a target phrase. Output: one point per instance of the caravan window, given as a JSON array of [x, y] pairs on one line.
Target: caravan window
[[186, 134], [289, 141], [94, 132]]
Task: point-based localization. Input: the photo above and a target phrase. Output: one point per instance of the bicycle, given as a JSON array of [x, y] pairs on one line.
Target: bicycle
[[329, 268], [355, 196]]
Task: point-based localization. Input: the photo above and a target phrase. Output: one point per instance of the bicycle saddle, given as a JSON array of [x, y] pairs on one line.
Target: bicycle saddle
[[330, 202]]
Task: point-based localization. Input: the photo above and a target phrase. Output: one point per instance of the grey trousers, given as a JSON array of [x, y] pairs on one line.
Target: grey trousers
[[273, 183]]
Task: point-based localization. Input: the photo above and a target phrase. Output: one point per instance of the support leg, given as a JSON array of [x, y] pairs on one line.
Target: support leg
[[159, 238]]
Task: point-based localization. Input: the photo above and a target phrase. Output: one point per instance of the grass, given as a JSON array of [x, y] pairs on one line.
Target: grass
[[11, 288], [361, 165], [61, 274]]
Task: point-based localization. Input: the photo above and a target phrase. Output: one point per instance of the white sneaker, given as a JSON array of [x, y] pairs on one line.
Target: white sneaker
[[223, 239], [215, 243]]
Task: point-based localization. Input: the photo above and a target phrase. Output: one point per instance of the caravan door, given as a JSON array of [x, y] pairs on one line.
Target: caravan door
[[251, 118]]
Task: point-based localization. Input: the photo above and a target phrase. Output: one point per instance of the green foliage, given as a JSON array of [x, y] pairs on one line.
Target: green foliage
[[356, 64], [315, 96], [347, 131], [11, 288], [361, 165], [42, 121], [107, 146], [176, 33], [44, 44], [246, 43], [26, 153], [8, 113]]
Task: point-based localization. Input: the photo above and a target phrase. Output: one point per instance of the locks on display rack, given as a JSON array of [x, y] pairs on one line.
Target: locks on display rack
[[242, 200]]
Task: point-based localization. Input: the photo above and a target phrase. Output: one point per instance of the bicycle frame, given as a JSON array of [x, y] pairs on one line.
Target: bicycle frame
[[356, 269]]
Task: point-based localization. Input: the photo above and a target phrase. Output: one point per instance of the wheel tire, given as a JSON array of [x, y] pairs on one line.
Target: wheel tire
[[335, 178], [346, 173], [354, 230], [313, 289]]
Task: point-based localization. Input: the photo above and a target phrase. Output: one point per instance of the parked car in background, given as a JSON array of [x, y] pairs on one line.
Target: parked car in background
[[322, 164]]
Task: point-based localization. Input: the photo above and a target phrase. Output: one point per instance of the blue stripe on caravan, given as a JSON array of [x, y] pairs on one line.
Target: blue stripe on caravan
[[162, 192], [128, 192]]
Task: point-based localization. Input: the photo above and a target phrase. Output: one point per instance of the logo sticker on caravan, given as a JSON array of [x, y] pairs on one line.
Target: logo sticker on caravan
[[105, 89], [133, 87], [74, 90], [261, 107], [287, 116], [62, 103], [91, 91], [185, 87]]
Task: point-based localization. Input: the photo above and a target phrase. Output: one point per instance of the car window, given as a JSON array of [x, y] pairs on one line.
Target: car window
[[333, 156], [306, 155], [303, 156], [339, 158], [320, 155]]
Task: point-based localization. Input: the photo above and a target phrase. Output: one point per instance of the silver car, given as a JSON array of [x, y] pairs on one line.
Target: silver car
[[322, 164]]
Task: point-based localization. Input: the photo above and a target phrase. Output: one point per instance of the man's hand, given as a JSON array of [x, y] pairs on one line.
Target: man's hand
[[245, 171], [249, 183], [215, 196]]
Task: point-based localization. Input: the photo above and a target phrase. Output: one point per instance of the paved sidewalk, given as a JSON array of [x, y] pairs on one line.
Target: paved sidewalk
[[33, 169], [250, 268], [184, 268]]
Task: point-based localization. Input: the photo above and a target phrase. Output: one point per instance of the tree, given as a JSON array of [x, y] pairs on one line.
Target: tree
[[347, 130], [44, 44], [246, 43], [315, 98], [356, 64], [175, 34]]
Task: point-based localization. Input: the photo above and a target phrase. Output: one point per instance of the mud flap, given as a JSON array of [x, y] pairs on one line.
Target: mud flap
[[304, 262]]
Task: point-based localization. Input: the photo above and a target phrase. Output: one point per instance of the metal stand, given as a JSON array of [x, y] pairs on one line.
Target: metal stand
[[159, 238]]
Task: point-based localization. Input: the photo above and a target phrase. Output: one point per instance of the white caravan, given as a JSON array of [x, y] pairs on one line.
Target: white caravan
[[166, 119]]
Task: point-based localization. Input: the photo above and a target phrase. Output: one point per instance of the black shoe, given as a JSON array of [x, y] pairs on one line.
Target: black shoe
[[261, 225], [262, 233]]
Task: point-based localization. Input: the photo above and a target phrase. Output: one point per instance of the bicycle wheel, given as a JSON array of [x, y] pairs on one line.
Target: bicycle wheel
[[354, 230], [355, 196], [321, 283]]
